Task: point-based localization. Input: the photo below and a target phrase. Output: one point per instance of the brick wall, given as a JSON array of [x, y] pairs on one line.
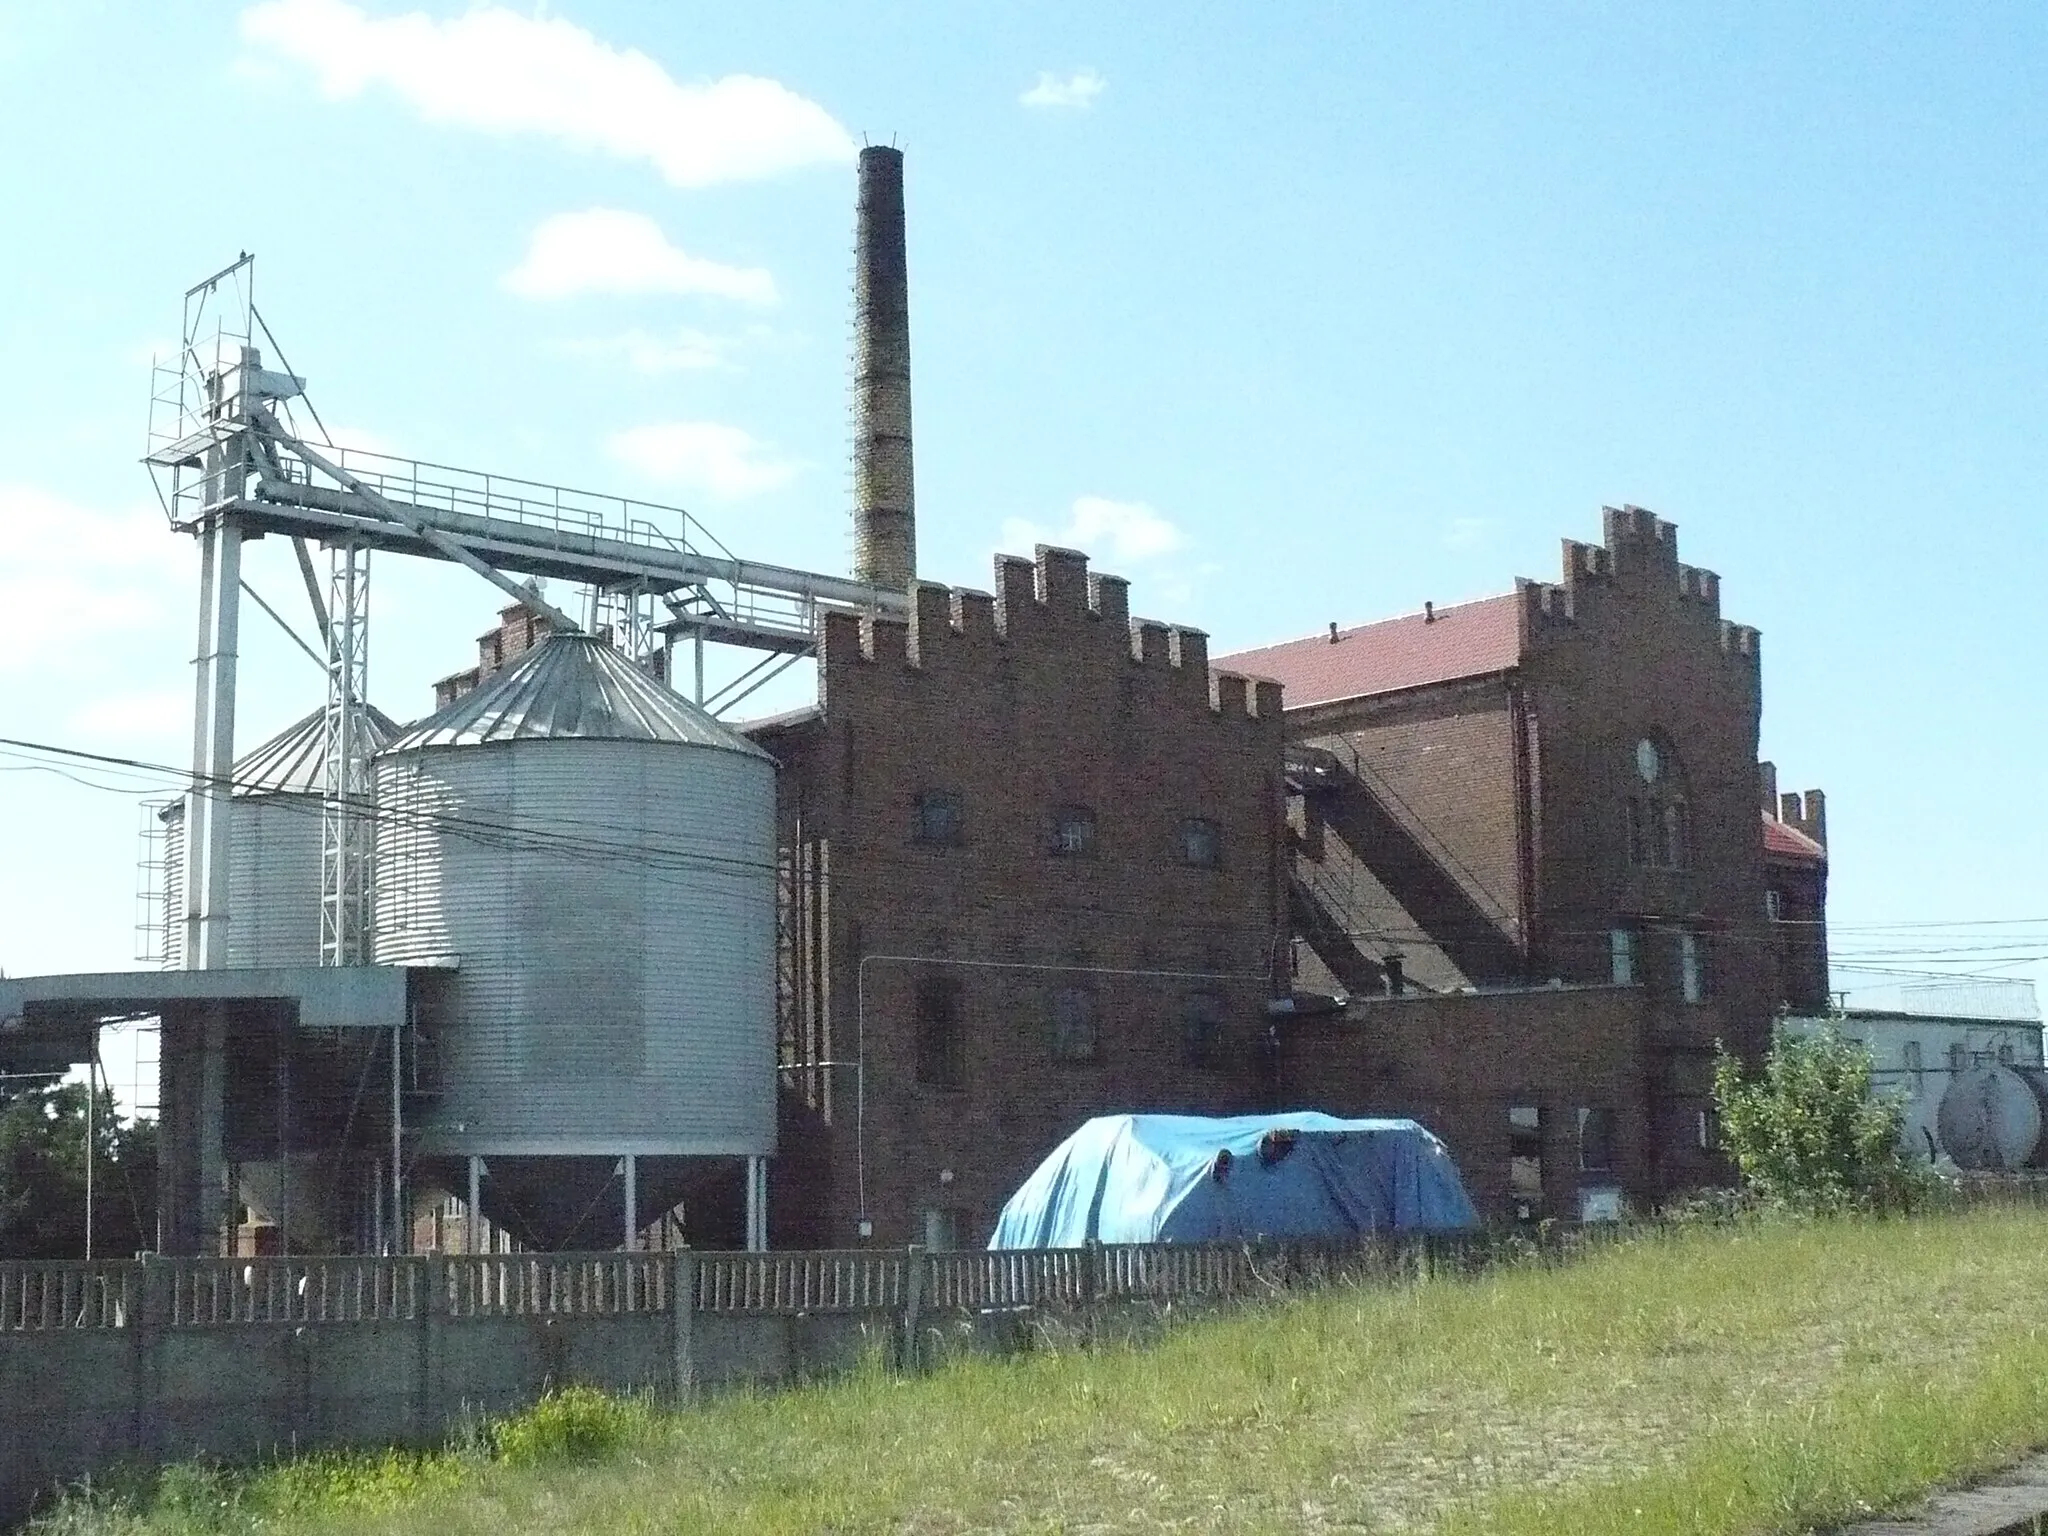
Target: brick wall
[[1459, 1064], [1039, 696], [1482, 824], [1413, 841]]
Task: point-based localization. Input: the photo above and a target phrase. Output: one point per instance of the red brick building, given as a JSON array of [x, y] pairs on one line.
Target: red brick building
[[1032, 874], [1040, 862], [1796, 891], [1539, 811]]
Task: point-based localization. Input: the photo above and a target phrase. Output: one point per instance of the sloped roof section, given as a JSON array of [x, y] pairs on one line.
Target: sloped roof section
[[1468, 640], [1782, 841], [571, 688], [294, 761]]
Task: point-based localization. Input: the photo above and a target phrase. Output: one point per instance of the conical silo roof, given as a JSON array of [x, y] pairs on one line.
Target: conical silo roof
[[571, 688], [294, 761]]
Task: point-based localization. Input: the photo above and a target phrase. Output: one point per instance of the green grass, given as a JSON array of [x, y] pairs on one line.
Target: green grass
[[1768, 1378]]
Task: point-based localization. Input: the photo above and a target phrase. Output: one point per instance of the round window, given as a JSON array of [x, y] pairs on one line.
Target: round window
[[1649, 762]]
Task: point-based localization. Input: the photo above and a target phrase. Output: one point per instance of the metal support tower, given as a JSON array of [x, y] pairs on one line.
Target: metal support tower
[[345, 824]]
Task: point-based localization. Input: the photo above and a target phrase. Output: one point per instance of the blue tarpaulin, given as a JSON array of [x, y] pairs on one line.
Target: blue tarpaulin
[[1191, 1179]]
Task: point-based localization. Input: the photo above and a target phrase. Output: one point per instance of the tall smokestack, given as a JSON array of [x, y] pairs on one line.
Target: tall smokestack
[[884, 497]]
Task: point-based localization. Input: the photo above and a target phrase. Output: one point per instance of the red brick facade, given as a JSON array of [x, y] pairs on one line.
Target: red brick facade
[[1582, 810], [1461, 1064], [1796, 891], [968, 977], [1040, 863]]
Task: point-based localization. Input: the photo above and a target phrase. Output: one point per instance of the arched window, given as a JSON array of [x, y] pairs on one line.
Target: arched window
[[1659, 828]]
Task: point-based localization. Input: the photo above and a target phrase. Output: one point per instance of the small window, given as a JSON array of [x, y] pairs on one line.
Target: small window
[[1671, 836], [1691, 973], [1201, 843], [1073, 832], [1076, 1026], [1774, 906], [1525, 1159], [1596, 1140], [941, 1228], [1621, 945], [1201, 1029], [940, 815], [1659, 835], [938, 1032], [1706, 1130], [1916, 1069], [1958, 1058], [2005, 1053]]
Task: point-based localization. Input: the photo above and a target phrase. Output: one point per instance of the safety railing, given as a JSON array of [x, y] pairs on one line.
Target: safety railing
[[42, 1297], [556, 1285], [198, 1293], [848, 1280], [557, 510], [1010, 1278], [211, 1292]]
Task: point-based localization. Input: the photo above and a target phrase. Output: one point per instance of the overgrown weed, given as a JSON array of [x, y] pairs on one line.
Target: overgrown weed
[[1745, 1373]]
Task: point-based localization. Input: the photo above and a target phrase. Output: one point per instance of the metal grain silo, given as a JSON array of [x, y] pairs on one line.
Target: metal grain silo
[[595, 858], [273, 848]]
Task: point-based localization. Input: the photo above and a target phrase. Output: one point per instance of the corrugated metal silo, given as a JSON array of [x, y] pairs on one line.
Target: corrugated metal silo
[[596, 857], [273, 848]]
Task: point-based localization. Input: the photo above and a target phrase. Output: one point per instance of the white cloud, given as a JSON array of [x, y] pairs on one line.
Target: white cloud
[[606, 250], [704, 456], [1077, 91], [676, 351], [70, 573], [501, 71], [1124, 531]]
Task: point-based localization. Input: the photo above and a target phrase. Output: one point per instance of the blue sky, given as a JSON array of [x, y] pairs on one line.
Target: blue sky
[[1298, 314]]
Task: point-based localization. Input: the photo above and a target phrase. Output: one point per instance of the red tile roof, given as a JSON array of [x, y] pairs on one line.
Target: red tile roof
[[1469, 640], [1788, 842]]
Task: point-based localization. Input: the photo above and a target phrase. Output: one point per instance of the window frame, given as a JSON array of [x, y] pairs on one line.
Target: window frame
[[1624, 957], [937, 1006], [1201, 1038], [1081, 818], [1658, 812], [1061, 1024], [921, 828], [1692, 967], [1190, 831], [1525, 1168], [1591, 1115]]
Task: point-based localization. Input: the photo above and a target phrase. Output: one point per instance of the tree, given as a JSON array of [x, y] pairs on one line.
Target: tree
[[1808, 1132], [42, 1175]]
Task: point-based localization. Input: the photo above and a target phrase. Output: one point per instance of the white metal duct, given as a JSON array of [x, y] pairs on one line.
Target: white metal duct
[[273, 849], [597, 858]]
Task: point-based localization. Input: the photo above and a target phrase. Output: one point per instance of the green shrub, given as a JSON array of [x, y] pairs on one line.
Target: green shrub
[[1808, 1133], [569, 1424]]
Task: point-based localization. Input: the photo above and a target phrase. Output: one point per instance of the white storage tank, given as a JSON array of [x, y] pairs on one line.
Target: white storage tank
[[1990, 1118], [273, 847], [595, 858]]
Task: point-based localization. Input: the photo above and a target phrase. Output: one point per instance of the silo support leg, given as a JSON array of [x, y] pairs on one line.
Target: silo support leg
[[216, 1234], [757, 1205]]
